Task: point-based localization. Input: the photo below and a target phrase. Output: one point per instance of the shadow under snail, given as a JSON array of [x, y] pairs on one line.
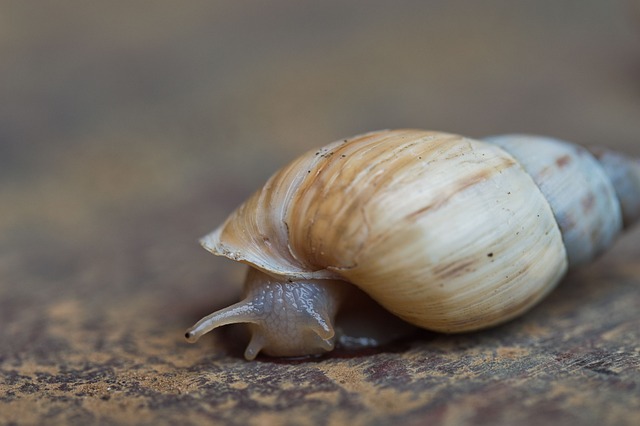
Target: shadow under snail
[[447, 233]]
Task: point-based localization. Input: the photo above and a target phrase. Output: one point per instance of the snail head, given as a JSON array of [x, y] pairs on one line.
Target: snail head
[[285, 318]]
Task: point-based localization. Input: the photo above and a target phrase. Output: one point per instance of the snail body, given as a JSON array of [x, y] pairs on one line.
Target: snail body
[[447, 233]]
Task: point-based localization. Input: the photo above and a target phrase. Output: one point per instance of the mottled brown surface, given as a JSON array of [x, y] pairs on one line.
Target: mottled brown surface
[[129, 129]]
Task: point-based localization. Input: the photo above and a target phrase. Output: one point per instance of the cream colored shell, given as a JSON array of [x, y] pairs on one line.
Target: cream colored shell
[[448, 233]]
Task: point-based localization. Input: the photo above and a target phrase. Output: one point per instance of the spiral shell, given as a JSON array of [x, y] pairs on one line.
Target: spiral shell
[[448, 233]]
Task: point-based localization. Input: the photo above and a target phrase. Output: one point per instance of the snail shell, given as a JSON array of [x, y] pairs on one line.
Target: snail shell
[[447, 233]]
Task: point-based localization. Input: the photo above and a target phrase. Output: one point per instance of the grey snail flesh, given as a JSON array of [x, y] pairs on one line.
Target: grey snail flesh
[[447, 233]]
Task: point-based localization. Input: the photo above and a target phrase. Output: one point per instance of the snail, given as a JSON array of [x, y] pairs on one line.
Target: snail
[[447, 233]]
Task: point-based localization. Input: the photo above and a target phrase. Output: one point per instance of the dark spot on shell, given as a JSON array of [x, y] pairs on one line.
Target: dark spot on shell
[[563, 161], [490, 255], [567, 222], [588, 202]]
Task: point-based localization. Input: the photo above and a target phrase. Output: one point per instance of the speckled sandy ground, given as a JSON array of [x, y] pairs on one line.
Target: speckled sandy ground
[[129, 130]]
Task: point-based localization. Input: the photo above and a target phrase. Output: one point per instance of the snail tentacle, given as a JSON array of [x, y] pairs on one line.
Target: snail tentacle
[[255, 345], [242, 312]]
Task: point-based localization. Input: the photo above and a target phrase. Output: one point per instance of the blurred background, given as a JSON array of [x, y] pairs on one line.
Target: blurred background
[[110, 107], [130, 129]]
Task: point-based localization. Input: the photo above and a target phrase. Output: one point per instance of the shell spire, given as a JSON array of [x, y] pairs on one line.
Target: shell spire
[[624, 173], [594, 193]]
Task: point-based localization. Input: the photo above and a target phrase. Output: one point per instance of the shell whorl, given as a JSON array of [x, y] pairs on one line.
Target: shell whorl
[[624, 175], [578, 189]]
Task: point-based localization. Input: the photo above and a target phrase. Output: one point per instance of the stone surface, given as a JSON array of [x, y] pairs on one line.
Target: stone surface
[[127, 131]]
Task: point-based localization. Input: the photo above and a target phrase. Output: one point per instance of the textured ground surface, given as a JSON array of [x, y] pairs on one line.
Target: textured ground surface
[[129, 130]]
